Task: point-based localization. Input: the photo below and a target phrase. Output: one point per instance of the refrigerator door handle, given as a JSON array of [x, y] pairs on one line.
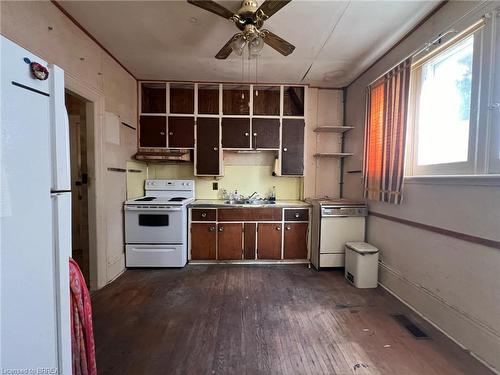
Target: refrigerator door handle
[[61, 177], [58, 192]]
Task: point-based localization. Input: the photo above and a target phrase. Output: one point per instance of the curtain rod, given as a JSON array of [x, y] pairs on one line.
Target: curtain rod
[[435, 41]]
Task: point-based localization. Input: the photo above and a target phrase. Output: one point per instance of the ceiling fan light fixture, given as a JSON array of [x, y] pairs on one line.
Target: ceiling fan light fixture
[[255, 45], [238, 45]]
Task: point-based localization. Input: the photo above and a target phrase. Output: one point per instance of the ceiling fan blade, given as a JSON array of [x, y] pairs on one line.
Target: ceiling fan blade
[[213, 7], [279, 44], [227, 49], [269, 7]]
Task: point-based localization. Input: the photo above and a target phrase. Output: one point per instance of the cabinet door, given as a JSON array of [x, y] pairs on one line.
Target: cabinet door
[[266, 133], [266, 100], [182, 98], [153, 97], [292, 151], [235, 133], [293, 100], [152, 132], [230, 236], [236, 99], [207, 146], [269, 241], [180, 132], [203, 241], [249, 248], [208, 99], [295, 242]]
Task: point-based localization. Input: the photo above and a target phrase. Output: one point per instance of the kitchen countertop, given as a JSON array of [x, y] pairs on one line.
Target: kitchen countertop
[[220, 203]]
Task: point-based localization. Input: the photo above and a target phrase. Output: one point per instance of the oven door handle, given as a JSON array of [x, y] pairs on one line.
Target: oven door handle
[[149, 208]]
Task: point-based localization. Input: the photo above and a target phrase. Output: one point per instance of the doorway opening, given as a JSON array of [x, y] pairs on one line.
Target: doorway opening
[[76, 107]]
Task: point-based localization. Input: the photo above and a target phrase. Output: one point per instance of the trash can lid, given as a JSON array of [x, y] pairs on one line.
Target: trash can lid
[[361, 247]]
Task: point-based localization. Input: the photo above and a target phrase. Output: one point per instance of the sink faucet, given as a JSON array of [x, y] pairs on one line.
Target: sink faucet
[[253, 194]]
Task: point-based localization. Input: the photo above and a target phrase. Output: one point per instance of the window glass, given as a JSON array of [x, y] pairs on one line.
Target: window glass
[[445, 103]]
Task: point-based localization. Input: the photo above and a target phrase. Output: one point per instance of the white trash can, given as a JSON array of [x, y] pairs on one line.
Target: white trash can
[[361, 264]]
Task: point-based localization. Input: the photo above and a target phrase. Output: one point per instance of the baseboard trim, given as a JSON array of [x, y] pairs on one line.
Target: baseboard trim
[[386, 272]]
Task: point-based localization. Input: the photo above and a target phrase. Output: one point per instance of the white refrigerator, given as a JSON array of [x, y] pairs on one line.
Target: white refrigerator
[[35, 217]]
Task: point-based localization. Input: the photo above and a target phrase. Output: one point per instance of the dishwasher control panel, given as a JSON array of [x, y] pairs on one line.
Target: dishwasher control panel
[[344, 211]]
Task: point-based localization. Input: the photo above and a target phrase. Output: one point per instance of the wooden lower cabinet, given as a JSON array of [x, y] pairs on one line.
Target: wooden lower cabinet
[[203, 241], [295, 241], [249, 241], [269, 241], [230, 237], [249, 236]]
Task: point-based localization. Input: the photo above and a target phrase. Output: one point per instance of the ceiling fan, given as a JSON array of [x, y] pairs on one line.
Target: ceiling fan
[[249, 19]]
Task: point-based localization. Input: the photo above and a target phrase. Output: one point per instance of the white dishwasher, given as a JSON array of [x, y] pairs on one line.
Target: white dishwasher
[[335, 222]]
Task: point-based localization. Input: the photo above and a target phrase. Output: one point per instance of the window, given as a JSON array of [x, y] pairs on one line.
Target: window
[[450, 125], [444, 110]]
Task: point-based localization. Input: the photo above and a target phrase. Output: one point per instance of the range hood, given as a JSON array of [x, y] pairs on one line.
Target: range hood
[[171, 155]]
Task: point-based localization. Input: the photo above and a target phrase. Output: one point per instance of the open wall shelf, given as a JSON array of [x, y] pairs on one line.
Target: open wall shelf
[[333, 129], [332, 154]]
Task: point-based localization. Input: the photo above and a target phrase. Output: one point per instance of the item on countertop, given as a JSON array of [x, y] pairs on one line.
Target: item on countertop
[[272, 196]]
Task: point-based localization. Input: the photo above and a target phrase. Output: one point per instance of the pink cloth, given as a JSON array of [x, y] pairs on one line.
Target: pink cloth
[[82, 333]]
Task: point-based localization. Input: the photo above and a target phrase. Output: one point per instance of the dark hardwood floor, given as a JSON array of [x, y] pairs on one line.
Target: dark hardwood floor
[[228, 319]]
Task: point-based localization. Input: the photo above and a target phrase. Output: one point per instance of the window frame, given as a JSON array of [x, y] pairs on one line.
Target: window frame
[[484, 123]]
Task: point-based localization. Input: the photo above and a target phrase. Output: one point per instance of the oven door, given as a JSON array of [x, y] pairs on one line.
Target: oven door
[[154, 224]]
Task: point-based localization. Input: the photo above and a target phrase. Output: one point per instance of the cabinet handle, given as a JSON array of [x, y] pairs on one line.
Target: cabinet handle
[[221, 229], [278, 228], [297, 215], [255, 134], [285, 149], [216, 148], [171, 133], [204, 214], [288, 228], [211, 229], [162, 133], [246, 134]]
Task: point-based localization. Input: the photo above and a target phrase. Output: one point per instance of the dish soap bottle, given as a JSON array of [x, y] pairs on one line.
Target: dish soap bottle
[[273, 194]]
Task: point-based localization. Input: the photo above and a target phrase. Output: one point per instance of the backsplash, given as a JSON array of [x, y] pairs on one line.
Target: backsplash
[[245, 173]]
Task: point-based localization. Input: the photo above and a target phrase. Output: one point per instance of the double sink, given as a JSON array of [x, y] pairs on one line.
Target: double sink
[[249, 201]]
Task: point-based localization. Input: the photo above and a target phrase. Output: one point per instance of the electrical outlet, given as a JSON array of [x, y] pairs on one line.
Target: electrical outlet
[[215, 186]]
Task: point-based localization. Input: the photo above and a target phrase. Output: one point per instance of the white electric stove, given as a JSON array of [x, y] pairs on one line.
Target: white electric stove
[[156, 224]]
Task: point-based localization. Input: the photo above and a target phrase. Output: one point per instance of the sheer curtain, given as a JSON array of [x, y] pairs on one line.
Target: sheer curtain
[[385, 135]]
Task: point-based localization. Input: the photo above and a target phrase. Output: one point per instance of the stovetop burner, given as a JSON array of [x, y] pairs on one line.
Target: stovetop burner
[[176, 199], [145, 199]]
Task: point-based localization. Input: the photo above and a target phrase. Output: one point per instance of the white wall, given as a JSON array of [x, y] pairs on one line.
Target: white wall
[[455, 284], [44, 30]]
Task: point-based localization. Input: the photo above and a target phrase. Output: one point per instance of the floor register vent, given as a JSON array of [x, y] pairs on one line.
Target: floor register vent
[[410, 327]]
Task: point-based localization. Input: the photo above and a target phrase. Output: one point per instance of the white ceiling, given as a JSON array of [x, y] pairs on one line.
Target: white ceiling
[[173, 40]]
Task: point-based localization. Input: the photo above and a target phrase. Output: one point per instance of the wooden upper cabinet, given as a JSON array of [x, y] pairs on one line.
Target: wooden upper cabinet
[[266, 133], [152, 131], [181, 132], [182, 98], [203, 241], [236, 100], [153, 97], [266, 100], [208, 99], [295, 241], [207, 146], [269, 241], [293, 101], [292, 147], [235, 132], [230, 241]]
